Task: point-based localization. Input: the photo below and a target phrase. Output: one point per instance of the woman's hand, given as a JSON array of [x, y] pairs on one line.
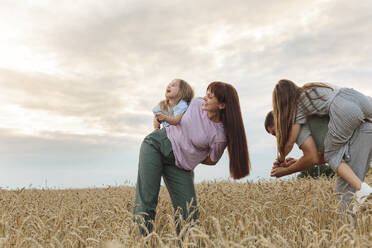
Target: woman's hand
[[208, 161]]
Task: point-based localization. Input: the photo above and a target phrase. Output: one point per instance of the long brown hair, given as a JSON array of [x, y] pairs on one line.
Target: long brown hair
[[286, 99], [185, 93], [231, 117]]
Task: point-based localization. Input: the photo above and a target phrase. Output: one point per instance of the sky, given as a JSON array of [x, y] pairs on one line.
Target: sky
[[78, 79]]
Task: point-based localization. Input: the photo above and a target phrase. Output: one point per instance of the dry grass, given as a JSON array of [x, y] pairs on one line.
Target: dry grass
[[295, 213]]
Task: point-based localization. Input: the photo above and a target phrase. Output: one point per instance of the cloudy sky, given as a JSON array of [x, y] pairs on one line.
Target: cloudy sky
[[78, 79]]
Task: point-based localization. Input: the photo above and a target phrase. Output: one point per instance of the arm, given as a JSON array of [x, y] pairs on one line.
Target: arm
[[291, 140], [156, 124], [208, 161], [175, 120], [308, 160], [321, 158]]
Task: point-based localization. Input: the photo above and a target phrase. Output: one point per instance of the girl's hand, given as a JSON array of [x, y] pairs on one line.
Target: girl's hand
[[276, 163], [156, 124], [280, 159], [160, 116]]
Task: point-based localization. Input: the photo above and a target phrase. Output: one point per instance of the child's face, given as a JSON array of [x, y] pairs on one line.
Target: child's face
[[172, 89]]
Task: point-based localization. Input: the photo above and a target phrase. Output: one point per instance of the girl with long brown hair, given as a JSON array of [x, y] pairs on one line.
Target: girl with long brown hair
[[347, 109], [207, 127]]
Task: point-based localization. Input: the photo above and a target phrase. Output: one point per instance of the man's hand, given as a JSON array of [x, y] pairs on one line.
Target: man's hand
[[278, 171], [286, 163], [289, 161]]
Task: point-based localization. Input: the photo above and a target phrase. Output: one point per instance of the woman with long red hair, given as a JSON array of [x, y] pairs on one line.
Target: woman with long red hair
[[209, 125]]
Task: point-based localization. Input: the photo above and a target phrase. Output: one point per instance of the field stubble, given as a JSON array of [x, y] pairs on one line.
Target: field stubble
[[293, 213]]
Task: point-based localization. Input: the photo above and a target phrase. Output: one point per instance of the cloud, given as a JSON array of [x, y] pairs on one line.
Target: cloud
[[65, 160], [93, 70]]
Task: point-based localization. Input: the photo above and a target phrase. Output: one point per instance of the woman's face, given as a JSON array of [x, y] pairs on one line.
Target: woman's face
[[172, 89], [211, 103]]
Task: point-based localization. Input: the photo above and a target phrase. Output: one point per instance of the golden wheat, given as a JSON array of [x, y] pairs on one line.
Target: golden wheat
[[293, 213]]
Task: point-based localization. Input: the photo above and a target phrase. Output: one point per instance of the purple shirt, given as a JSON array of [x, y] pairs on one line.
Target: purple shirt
[[196, 137]]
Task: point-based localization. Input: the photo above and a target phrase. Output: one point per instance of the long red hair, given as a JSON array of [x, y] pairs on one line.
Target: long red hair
[[231, 117]]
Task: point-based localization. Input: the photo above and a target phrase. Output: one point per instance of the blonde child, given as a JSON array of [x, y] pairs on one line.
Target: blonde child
[[347, 109], [178, 95]]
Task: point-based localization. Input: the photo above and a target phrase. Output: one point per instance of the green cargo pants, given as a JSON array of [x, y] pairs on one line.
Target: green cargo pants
[[156, 159]]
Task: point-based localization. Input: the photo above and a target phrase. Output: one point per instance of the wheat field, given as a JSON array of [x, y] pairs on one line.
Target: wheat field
[[291, 213]]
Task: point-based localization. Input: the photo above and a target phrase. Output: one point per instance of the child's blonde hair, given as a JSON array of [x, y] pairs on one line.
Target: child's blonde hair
[[185, 93]]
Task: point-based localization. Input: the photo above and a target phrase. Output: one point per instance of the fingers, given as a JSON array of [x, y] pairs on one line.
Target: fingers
[[160, 117], [273, 172], [284, 165], [289, 159], [291, 162], [281, 158]]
